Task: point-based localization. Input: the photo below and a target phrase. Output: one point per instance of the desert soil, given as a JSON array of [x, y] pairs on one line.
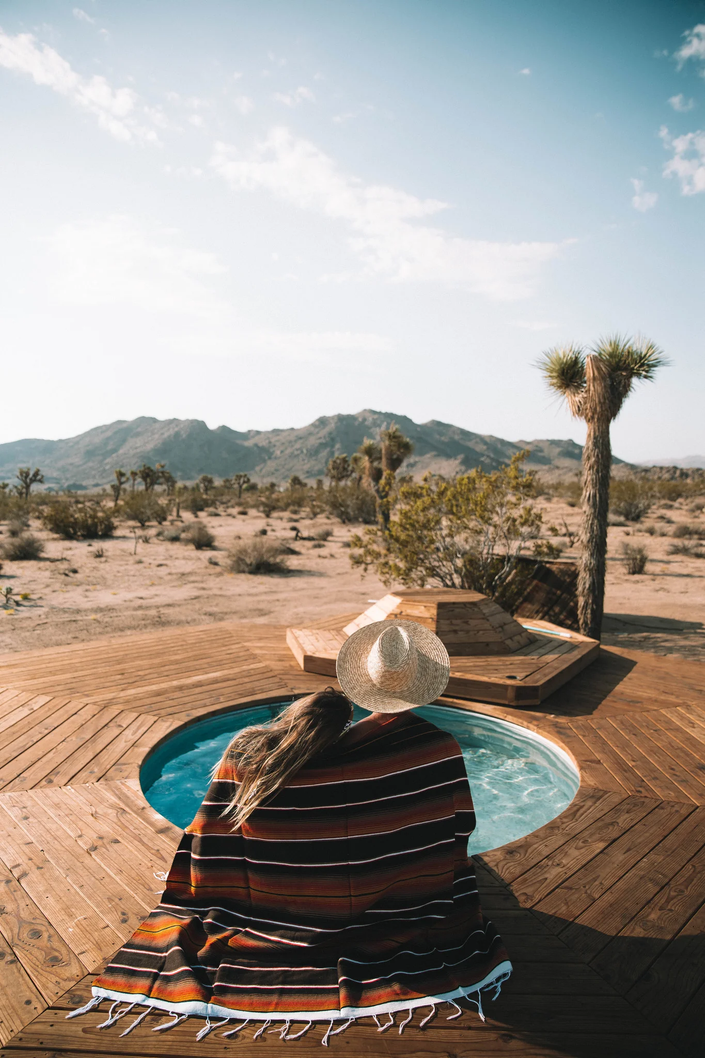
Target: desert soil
[[84, 590]]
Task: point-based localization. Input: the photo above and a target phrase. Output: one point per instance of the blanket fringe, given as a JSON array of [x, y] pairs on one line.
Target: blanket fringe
[[115, 1014]]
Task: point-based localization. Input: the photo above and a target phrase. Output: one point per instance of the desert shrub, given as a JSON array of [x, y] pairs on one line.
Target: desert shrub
[[243, 510], [193, 502], [635, 558], [261, 532], [78, 521], [317, 543], [257, 556], [23, 548], [687, 547], [698, 507], [212, 513], [467, 532], [171, 533], [19, 523], [323, 534], [199, 536], [213, 561], [689, 531], [352, 503], [631, 498], [143, 507], [99, 553]]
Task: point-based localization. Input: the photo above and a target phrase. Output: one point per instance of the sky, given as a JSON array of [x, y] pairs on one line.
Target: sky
[[257, 213]]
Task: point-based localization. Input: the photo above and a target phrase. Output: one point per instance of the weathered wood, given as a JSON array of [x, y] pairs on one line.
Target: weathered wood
[[600, 909]]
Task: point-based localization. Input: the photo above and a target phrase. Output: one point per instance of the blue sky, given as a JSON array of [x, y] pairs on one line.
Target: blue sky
[[258, 213]]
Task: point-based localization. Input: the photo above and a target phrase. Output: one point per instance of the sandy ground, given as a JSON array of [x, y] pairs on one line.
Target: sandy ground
[[76, 595]]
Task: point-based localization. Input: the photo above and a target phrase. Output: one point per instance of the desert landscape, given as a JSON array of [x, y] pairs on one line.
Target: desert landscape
[[137, 580]]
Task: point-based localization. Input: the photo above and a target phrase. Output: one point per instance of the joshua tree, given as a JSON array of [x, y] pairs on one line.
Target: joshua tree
[[27, 478], [595, 383], [149, 477], [395, 448], [338, 469], [239, 481], [370, 462], [206, 484], [134, 474], [120, 480], [167, 479]]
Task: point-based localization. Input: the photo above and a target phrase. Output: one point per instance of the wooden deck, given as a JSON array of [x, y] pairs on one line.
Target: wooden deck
[[602, 910]]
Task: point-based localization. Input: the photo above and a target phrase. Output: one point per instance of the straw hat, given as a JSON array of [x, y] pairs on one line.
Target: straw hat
[[390, 666]]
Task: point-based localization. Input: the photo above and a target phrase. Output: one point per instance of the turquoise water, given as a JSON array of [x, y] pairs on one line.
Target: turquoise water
[[519, 780]]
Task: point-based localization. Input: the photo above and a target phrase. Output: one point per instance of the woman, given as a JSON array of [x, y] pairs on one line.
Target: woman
[[325, 876]]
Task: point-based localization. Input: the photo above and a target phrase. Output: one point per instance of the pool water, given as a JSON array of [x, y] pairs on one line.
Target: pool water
[[519, 780]]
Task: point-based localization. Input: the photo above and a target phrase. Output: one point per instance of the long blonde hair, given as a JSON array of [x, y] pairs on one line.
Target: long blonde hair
[[267, 757]]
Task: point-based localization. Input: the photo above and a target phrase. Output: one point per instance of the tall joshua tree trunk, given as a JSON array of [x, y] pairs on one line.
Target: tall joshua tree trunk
[[597, 465]]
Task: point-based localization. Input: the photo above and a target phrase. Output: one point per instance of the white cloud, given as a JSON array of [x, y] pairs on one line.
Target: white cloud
[[113, 107], [687, 162], [526, 71], [643, 200], [114, 262], [196, 120], [681, 104], [296, 96], [383, 221], [244, 105], [694, 47], [82, 16]]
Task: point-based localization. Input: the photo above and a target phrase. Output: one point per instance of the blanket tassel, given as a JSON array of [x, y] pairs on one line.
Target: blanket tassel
[[300, 1033], [170, 1024], [428, 1016], [138, 1021], [209, 1026], [407, 1019], [231, 1032], [94, 1002], [451, 1017], [264, 1028], [113, 1018]]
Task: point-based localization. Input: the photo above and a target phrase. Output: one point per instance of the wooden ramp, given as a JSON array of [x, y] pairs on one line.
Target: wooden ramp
[[602, 910]]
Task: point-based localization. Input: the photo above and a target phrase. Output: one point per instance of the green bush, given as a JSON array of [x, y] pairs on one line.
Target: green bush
[[143, 507], [257, 555], [687, 547], [23, 548], [352, 503], [631, 498], [193, 502], [78, 521], [199, 536]]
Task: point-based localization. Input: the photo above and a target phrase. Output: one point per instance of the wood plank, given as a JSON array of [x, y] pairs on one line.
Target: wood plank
[[556, 868], [20, 999], [46, 958], [572, 897], [514, 859], [628, 955], [674, 977], [112, 901], [621, 768], [687, 1031], [86, 932], [612, 912], [675, 761]]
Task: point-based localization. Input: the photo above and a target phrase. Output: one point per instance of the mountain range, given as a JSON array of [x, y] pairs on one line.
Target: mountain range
[[189, 448]]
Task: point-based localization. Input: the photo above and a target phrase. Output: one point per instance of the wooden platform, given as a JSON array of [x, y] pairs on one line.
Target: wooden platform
[[526, 677], [602, 910]]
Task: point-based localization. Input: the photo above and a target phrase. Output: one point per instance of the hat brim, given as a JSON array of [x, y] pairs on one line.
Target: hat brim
[[432, 675]]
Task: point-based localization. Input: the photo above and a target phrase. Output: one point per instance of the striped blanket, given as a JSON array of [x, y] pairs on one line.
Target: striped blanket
[[350, 894]]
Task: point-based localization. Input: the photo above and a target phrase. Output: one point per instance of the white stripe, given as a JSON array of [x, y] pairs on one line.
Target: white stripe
[[348, 804], [366, 778]]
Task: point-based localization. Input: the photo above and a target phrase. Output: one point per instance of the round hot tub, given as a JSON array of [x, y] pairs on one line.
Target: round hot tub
[[519, 780]]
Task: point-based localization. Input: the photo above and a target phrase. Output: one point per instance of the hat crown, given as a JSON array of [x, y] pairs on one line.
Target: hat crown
[[392, 663]]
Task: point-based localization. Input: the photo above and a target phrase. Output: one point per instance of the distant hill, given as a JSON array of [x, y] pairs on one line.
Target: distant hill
[[189, 448], [686, 462]]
